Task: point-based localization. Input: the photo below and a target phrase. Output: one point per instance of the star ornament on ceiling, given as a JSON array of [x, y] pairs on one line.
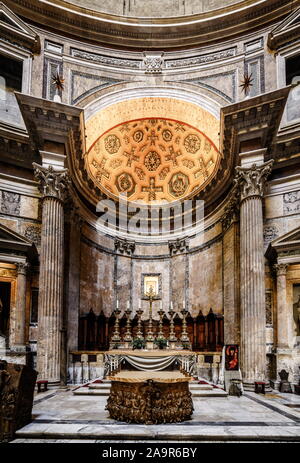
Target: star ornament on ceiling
[[58, 81], [246, 83]]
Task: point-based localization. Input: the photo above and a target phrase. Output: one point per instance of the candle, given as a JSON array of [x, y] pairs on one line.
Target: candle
[[128, 305], [171, 305], [160, 305], [117, 303], [183, 304]]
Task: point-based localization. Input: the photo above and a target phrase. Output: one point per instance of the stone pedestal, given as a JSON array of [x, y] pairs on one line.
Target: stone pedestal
[[253, 317], [16, 398], [53, 185]]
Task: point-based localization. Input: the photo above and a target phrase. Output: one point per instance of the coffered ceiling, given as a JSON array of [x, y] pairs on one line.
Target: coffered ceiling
[[152, 159]]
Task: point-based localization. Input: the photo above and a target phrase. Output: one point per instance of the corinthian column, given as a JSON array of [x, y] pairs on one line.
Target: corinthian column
[[54, 187], [251, 182]]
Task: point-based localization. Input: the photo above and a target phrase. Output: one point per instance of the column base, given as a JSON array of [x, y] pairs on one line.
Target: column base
[[54, 384], [250, 387]]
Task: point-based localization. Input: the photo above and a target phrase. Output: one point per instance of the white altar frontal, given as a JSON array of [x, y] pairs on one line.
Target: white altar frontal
[[150, 360]]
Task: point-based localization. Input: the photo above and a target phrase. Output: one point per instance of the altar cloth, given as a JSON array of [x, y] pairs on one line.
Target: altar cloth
[[142, 376]]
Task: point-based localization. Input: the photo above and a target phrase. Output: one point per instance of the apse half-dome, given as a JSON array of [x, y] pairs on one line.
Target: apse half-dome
[[169, 153], [152, 159]]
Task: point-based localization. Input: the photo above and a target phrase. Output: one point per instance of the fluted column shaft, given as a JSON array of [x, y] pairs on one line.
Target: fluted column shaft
[[253, 317], [21, 304], [283, 315], [50, 311]]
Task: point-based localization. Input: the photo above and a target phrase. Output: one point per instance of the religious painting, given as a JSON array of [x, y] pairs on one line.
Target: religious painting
[[151, 282], [231, 357]]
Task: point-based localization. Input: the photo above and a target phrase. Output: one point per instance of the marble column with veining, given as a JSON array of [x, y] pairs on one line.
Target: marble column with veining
[[251, 182], [282, 308], [20, 316], [54, 189]]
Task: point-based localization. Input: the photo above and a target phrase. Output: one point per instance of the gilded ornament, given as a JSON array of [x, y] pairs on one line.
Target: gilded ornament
[[152, 160], [178, 184], [112, 144], [192, 143]]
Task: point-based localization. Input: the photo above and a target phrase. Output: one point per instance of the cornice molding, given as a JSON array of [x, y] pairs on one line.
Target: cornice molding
[[152, 33]]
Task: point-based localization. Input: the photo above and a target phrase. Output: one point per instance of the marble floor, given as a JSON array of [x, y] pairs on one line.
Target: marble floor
[[60, 416]]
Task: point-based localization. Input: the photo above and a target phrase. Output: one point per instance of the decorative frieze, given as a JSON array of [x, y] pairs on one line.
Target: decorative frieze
[[291, 202], [10, 203], [7, 273], [251, 180], [106, 60], [124, 246], [270, 233], [269, 307], [153, 63], [231, 211], [203, 59], [33, 233], [178, 246], [52, 183]]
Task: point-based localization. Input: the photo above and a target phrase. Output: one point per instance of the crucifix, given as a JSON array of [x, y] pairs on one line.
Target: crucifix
[[173, 155], [152, 189], [202, 170], [152, 137], [100, 169], [150, 294], [130, 157]]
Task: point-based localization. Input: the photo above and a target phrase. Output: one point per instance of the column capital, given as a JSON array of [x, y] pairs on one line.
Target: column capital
[[22, 267], [281, 269], [53, 183], [251, 180]]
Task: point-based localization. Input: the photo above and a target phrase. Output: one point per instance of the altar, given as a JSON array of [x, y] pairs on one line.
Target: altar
[[150, 397], [150, 360]]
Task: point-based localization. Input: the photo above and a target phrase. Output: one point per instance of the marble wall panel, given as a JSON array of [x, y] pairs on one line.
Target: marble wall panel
[[123, 280], [178, 281], [29, 207], [273, 206], [96, 280], [205, 277], [161, 267], [98, 238]]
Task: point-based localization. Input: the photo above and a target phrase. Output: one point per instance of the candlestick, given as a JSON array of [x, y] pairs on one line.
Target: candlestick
[[139, 333], [128, 336], [172, 336], [116, 336], [150, 294], [160, 333], [184, 336]]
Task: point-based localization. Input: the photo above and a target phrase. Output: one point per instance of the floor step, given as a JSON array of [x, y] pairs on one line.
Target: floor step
[[201, 387], [213, 392], [100, 386], [88, 391]]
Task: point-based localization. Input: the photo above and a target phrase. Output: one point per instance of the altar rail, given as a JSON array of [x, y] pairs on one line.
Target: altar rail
[[86, 366]]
